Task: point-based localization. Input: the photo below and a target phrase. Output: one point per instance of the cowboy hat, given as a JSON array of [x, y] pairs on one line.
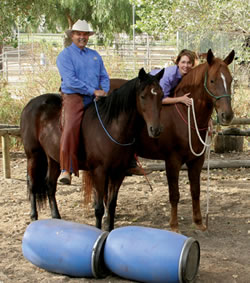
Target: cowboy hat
[[82, 26]]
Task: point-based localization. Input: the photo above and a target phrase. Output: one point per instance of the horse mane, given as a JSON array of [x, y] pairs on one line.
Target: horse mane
[[118, 101]]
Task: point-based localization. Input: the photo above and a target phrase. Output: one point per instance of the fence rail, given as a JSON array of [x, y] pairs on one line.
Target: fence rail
[[7, 130], [14, 62]]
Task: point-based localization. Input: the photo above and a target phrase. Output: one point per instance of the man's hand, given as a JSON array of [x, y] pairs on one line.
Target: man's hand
[[99, 92]]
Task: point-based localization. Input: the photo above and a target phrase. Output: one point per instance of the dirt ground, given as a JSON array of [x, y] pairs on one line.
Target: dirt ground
[[225, 246]]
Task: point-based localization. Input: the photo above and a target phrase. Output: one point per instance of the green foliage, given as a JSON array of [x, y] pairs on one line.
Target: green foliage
[[10, 109], [200, 20], [106, 16], [19, 13], [241, 102], [158, 16]]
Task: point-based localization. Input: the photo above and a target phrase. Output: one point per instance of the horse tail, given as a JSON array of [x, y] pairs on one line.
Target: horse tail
[[87, 185], [36, 178]]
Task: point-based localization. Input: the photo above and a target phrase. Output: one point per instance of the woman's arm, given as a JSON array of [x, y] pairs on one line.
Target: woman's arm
[[181, 99]]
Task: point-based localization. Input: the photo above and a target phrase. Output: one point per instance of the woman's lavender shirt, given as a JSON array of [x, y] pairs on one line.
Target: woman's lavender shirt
[[170, 79]]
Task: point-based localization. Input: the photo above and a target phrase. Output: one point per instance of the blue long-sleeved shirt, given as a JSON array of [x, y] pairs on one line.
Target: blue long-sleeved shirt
[[170, 78], [82, 71]]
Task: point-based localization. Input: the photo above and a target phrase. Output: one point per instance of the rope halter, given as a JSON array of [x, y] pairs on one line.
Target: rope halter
[[210, 93]]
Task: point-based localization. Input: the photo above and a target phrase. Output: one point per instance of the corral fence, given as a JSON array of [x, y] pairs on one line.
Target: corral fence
[[128, 54], [7, 130]]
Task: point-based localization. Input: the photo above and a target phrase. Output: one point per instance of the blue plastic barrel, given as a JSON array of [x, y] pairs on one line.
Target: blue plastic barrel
[[65, 247], [151, 255]]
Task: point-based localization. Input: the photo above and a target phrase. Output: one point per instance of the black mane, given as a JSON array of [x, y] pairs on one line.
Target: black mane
[[122, 100]]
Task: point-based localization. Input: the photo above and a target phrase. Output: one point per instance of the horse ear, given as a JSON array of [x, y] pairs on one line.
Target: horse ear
[[142, 74], [210, 57], [159, 75], [228, 60]]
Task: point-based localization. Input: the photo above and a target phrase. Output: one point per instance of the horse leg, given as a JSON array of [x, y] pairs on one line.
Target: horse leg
[[100, 184], [32, 198], [194, 171], [52, 176], [36, 185], [112, 201], [99, 209], [174, 194]]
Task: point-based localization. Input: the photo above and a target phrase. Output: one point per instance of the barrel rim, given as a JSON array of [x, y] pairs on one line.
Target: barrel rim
[[97, 257], [183, 259]]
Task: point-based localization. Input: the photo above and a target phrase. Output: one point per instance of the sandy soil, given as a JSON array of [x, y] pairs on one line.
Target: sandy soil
[[225, 247]]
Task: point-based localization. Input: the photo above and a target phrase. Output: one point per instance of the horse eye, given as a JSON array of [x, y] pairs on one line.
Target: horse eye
[[142, 97], [212, 81]]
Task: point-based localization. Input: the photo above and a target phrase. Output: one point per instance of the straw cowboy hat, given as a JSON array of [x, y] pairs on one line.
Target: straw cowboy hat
[[82, 26]]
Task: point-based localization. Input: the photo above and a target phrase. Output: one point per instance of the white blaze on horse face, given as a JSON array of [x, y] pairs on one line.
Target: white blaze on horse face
[[153, 91], [224, 81]]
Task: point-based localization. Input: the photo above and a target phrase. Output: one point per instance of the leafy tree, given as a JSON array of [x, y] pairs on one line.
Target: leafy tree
[[158, 16], [202, 20], [106, 16]]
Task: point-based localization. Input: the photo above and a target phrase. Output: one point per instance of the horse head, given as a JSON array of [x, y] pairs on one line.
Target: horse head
[[149, 101], [217, 84]]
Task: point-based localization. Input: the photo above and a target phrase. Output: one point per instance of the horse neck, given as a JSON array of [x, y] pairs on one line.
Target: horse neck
[[119, 110], [193, 82]]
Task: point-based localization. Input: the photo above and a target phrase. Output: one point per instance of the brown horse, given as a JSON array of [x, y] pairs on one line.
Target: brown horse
[[108, 131], [210, 87]]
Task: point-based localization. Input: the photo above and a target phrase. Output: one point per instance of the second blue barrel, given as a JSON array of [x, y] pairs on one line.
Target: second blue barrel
[[151, 255], [65, 247]]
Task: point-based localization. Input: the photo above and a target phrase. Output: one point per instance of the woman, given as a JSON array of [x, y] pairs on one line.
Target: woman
[[173, 75]]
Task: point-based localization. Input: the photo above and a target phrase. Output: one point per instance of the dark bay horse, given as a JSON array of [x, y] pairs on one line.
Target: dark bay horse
[[108, 131], [210, 87]]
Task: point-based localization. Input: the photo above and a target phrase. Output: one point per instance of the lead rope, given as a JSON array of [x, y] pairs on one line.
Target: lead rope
[[106, 131], [208, 181], [207, 145], [143, 171]]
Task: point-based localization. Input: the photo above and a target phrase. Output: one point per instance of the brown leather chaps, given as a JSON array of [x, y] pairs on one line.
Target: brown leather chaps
[[72, 113]]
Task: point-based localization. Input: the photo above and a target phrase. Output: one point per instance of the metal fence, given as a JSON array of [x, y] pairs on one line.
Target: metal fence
[[123, 58]]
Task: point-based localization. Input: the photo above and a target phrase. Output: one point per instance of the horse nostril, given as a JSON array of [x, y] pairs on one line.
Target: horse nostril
[[155, 132]]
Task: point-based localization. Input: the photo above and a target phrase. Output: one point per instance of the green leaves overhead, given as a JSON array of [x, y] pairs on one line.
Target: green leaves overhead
[[168, 16], [156, 17]]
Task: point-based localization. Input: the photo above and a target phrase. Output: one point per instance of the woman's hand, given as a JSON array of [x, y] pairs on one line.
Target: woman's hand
[[210, 127], [186, 100]]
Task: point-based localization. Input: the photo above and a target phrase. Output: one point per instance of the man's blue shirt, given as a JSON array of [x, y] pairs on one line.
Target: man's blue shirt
[[82, 71]]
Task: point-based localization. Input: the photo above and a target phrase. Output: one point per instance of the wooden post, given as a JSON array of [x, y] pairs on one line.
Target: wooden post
[[6, 156]]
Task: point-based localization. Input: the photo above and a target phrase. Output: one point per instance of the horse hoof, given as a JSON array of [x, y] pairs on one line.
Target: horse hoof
[[56, 217], [33, 217], [175, 229], [200, 227]]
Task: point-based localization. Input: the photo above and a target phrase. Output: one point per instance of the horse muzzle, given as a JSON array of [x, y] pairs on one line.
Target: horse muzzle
[[155, 132], [225, 119]]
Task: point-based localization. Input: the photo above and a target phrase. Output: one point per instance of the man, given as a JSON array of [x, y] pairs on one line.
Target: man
[[84, 77]]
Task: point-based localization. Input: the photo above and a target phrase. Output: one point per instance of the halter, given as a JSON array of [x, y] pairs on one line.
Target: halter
[[210, 93], [106, 131]]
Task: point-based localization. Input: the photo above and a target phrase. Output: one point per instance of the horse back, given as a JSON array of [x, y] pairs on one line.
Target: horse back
[[116, 83], [40, 115]]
